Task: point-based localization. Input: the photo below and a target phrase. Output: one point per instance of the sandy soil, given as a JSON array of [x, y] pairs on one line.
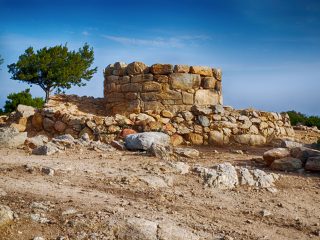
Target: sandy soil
[[100, 188]]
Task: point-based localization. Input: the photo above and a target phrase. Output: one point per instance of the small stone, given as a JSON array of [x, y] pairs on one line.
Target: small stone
[[176, 140], [48, 171], [181, 167], [265, 213], [204, 120], [187, 152]]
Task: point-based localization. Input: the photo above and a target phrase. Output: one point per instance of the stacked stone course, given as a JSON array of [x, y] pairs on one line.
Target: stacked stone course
[[136, 88], [216, 125]]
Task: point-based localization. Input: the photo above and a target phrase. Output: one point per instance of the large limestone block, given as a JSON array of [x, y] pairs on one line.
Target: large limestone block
[[181, 68], [153, 105], [185, 81], [136, 68], [275, 153], [206, 97], [202, 70], [209, 82], [151, 87], [25, 111], [249, 139], [161, 68], [195, 138], [141, 78], [143, 141]]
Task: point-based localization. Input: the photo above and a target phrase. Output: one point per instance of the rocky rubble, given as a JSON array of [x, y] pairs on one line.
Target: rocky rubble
[[293, 158], [226, 176]]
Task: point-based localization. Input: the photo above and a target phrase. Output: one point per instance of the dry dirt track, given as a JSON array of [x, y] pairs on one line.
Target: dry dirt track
[[106, 187]]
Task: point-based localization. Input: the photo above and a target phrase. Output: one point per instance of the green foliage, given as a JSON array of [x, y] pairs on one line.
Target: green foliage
[[25, 98], [297, 117], [54, 68]]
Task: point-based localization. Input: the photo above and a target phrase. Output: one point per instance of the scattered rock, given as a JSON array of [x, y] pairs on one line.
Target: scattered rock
[[118, 145], [6, 215], [48, 149], [48, 171], [154, 181], [265, 213], [38, 218], [187, 152], [143, 141], [246, 177], [236, 151], [38, 238], [180, 167], [11, 137], [286, 164], [36, 141], [275, 153], [69, 211], [163, 152]]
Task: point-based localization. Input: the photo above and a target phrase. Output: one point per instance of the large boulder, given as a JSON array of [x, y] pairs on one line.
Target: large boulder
[[286, 164], [10, 137], [25, 111], [143, 141], [313, 164], [304, 153], [275, 153]]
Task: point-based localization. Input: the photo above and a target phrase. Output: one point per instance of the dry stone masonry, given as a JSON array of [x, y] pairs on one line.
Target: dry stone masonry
[[136, 88]]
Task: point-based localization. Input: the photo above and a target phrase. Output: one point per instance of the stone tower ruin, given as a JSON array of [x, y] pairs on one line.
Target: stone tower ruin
[[136, 88]]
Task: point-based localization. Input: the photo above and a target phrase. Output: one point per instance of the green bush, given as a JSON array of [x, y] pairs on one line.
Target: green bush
[[297, 117], [25, 98]]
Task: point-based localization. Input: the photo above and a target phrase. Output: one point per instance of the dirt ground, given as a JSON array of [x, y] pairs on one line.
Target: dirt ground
[[90, 191]]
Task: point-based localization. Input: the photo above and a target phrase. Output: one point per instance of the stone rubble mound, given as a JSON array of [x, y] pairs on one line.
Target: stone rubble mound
[[227, 176], [293, 157]]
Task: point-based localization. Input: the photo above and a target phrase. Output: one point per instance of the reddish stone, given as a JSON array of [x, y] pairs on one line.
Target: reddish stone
[[125, 132]]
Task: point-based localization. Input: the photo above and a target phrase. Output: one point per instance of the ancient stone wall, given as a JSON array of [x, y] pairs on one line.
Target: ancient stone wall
[[216, 125], [136, 88]]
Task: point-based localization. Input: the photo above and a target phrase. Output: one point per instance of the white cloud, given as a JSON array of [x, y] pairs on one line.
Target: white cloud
[[172, 42], [85, 33]]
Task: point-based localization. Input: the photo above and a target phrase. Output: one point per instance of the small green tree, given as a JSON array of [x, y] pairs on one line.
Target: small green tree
[[25, 98], [54, 68]]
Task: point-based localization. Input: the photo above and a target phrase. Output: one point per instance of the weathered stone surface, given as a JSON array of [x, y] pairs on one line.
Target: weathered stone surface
[[201, 70], [249, 139], [161, 78], [47, 149], [209, 82], [185, 81], [217, 73], [37, 121], [6, 215], [168, 230], [135, 68], [25, 111], [138, 228], [195, 138], [161, 68], [166, 114], [131, 87], [151, 87], [36, 141], [286, 164], [187, 98], [206, 97], [275, 153], [143, 141], [60, 126], [187, 152], [204, 120], [181, 68], [125, 132], [48, 124], [153, 105], [10, 137], [176, 140], [180, 167], [313, 164], [141, 78], [218, 138]]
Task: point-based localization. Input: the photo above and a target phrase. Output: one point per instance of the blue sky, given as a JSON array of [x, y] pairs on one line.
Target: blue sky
[[269, 50]]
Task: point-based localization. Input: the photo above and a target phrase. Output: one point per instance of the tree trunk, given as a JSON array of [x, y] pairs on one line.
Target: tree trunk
[[47, 95]]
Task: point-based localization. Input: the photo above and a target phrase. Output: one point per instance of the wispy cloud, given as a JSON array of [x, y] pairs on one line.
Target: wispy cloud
[[85, 33], [171, 42]]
